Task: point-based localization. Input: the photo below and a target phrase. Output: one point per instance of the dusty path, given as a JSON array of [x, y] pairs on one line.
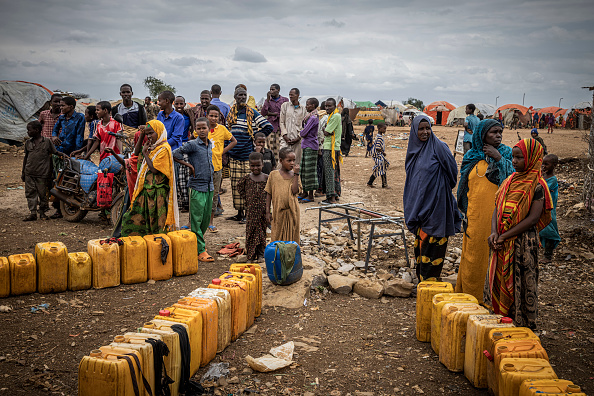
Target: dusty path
[[351, 344]]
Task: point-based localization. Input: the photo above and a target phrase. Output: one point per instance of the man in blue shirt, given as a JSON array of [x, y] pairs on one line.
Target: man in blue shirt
[[470, 126], [68, 135], [173, 121], [200, 185], [215, 92]]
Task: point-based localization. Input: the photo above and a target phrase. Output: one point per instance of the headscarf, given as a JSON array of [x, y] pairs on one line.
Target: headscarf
[[162, 159], [497, 172], [512, 205], [249, 117], [332, 151], [431, 172]]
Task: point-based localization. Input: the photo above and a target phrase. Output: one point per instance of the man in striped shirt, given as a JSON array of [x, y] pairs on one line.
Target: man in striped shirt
[[243, 122]]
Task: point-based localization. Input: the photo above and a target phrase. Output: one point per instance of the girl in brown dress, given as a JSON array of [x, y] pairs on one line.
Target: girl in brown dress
[[251, 188], [282, 189]]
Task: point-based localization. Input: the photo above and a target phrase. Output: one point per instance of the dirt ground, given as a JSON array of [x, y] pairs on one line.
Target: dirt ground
[[349, 344]]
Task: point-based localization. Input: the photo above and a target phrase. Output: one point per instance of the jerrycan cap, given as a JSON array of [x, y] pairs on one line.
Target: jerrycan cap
[[95, 353], [183, 301], [497, 335], [506, 320], [573, 388], [216, 281], [488, 355], [502, 348], [509, 367], [164, 312], [119, 338], [53, 249]]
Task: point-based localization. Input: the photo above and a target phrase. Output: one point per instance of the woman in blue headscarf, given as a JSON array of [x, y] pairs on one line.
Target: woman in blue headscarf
[[430, 208], [484, 167]]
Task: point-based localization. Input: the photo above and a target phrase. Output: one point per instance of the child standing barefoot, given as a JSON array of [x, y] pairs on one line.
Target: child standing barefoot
[[252, 189], [549, 236], [282, 189], [379, 156], [522, 208]]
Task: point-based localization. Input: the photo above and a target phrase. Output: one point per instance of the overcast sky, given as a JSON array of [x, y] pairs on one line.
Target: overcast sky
[[459, 51]]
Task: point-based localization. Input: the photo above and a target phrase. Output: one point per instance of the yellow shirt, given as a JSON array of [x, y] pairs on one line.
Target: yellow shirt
[[218, 136]]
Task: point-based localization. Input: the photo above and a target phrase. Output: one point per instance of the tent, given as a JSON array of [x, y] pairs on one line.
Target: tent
[[582, 105], [440, 111], [550, 109], [365, 104], [392, 104], [486, 110], [21, 102], [523, 109], [457, 116], [381, 104]]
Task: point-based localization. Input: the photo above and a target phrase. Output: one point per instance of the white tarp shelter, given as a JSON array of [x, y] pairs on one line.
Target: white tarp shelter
[[19, 104]]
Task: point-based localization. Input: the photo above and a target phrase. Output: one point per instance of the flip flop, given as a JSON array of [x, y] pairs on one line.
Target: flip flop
[[205, 257], [212, 229], [306, 200]]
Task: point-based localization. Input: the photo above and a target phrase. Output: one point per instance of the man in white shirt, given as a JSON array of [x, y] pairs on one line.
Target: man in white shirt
[[292, 115]]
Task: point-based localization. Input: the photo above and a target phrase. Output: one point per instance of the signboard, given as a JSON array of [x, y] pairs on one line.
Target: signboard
[[459, 147]]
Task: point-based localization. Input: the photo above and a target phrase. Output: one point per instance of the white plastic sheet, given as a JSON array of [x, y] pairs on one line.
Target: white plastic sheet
[[19, 102]]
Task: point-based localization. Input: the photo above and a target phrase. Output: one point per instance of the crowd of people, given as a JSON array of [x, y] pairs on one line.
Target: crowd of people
[[290, 153]]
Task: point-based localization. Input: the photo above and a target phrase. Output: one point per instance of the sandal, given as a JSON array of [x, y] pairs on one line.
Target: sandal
[[306, 200], [212, 229], [205, 257]]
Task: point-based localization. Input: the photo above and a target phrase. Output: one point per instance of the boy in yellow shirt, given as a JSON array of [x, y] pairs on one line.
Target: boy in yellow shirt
[[218, 135]]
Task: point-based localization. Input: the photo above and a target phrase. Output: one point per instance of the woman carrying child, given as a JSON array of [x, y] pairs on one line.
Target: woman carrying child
[[522, 208], [282, 189], [252, 189]]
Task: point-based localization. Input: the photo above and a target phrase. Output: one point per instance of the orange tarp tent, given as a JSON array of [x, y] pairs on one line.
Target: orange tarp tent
[[440, 111], [522, 109], [550, 109]]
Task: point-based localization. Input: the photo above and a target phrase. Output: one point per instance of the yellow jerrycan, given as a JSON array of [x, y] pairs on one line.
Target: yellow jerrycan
[[106, 263], [108, 371], [133, 260], [146, 352], [210, 318], [477, 338], [4, 277], [80, 270], [194, 321], [514, 371], [239, 305], [503, 335], [256, 270], [185, 252], [253, 299], [425, 292], [52, 267], [157, 269], [439, 300], [223, 300], [550, 387], [23, 274], [454, 317], [171, 339]]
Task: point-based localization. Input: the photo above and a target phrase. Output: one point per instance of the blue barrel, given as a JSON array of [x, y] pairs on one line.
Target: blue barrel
[[273, 264]]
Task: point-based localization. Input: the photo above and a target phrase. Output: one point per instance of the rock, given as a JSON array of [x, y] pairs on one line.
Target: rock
[[418, 389], [369, 289], [309, 394], [407, 277], [359, 264], [398, 288], [341, 284], [319, 281], [359, 393], [234, 380], [242, 258], [346, 268], [334, 265], [385, 276], [451, 279]]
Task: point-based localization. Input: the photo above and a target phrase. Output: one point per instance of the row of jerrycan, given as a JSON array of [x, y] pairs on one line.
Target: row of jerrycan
[[210, 317], [489, 349], [138, 259]]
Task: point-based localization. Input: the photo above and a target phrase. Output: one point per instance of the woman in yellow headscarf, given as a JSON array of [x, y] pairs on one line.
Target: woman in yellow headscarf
[[153, 209]]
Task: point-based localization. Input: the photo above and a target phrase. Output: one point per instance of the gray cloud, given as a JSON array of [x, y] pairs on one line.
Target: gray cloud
[[247, 55], [189, 61], [334, 23]]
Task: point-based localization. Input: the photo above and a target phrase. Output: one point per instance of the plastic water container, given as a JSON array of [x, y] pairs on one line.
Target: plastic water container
[[223, 300], [80, 270], [102, 373], [437, 303], [477, 338], [239, 305], [185, 252], [4, 277], [256, 270], [546, 387], [194, 321], [252, 286], [425, 292], [514, 371], [210, 323], [497, 336], [106, 263], [454, 317], [171, 339], [133, 260], [23, 274], [146, 352], [52, 267], [157, 269], [274, 266]]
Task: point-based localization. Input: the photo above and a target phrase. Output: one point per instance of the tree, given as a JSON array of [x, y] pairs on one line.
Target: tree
[[415, 102], [79, 95], [156, 86]]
